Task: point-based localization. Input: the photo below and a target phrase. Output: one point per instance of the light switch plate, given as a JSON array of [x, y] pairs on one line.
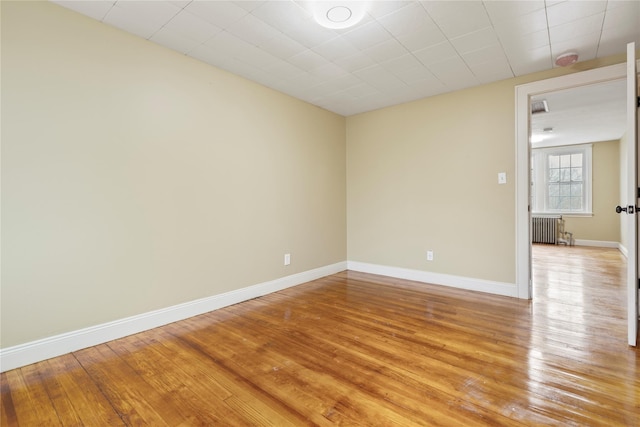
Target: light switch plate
[[502, 178]]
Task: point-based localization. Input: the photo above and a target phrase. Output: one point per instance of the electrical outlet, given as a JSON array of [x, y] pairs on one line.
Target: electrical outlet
[[429, 255], [287, 259]]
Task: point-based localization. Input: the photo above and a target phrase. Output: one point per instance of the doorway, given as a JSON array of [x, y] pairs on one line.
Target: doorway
[[524, 94]]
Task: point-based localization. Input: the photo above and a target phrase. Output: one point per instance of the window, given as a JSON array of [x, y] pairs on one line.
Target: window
[[561, 180]]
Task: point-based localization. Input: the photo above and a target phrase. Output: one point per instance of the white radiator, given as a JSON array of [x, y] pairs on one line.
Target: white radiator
[[544, 229]]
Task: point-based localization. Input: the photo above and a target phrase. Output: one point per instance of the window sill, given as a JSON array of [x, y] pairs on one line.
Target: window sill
[[564, 214]]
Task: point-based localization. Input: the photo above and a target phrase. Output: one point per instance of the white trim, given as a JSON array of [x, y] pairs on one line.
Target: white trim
[[36, 351], [597, 243], [480, 285], [623, 249], [522, 97]]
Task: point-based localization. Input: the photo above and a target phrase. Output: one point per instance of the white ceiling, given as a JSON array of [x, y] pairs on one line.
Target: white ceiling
[[583, 114], [400, 51]]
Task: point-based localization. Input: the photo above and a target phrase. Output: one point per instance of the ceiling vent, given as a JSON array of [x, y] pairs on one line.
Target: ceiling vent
[[539, 107]]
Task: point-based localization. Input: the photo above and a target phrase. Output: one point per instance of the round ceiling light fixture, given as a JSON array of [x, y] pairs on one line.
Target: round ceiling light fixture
[[566, 59], [339, 15]]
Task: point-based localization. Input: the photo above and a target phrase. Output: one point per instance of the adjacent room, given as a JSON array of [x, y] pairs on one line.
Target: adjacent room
[[309, 213]]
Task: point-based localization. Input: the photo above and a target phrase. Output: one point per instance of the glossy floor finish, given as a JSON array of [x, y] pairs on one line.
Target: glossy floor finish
[[358, 349]]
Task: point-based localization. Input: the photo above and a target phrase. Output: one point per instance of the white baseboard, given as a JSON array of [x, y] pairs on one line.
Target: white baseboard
[[623, 249], [36, 351], [480, 285], [597, 243]]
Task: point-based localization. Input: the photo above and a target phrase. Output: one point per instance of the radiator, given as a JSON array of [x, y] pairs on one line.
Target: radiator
[[544, 229]]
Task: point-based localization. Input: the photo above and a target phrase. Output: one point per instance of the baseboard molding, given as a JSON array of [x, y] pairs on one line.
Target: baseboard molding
[[597, 243], [623, 249], [480, 285], [36, 351]]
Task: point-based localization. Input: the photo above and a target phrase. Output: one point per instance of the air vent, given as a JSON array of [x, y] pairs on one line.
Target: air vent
[[539, 107]]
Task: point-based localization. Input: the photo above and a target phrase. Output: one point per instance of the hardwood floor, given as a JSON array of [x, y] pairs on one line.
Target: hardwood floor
[[358, 349]]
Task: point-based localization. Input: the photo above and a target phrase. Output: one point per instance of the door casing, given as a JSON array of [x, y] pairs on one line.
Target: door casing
[[523, 94]]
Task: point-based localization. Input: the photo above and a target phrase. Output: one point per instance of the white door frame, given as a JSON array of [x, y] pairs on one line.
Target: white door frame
[[523, 95]]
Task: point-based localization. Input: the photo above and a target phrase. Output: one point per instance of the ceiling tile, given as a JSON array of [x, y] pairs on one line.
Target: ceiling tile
[[386, 51], [456, 18], [625, 16], [589, 25], [329, 71], [526, 42], [367, 35], [488, 53], [139, 17], [230, 45], [522, 24], [282, 46], [454, 73], [220, 13], [378, 9], [283, 15], [414, 75], [252, 30], [310, 34], [504, 11], [397, 65], [436, 53], [355, 62], [95, 9], [380, 78], [492, 70], [191, 27], [285, 70], [423, 37], [474, 41], [572, 10], [248, 5], [307, 60], [612, 40], [406, 20], [336, 48], [531, 60]]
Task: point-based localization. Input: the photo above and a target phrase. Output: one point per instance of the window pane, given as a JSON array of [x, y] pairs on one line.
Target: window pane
[[576, 160], [565, 190], [554, 175], [554, 162], [554, 191], [576, 203], [576, 174], [565, 174], [576, 190], [554, 202], [565, 161], [564, 203]]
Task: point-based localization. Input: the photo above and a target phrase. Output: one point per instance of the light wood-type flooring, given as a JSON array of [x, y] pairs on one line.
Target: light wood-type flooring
[[365, 350]]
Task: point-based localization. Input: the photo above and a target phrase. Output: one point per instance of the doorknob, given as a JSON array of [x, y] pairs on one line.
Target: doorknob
[[620, 209]]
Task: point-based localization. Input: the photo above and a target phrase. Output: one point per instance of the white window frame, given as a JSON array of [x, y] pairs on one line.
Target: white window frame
[[539, 175]]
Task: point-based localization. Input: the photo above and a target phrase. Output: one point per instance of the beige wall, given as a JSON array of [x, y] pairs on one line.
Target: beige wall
[[604, 225], [134, 178], [423, 176]]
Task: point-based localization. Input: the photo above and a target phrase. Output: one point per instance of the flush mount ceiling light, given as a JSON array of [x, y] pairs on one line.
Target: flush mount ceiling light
[[566, 59], [338, 15]]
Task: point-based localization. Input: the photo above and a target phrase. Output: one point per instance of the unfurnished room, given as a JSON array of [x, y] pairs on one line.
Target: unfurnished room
[[292, 213]]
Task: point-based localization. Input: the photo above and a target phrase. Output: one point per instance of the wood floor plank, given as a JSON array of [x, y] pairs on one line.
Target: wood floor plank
[[360, 349], [78, 394], [30, 400]]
